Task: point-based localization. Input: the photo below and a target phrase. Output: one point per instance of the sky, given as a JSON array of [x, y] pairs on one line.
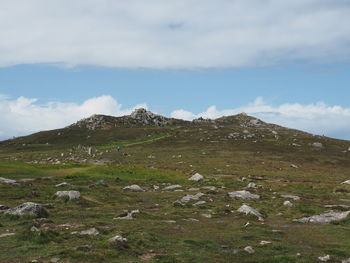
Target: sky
[[286, 62]]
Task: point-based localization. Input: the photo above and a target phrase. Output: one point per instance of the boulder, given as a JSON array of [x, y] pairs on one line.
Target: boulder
[[134, 187], [245, 209], [117, 239], [8, 181], [28, 209], [72, 195], [172, 187], [64, 184], [128, 215], [188, 198], [196, 177], [324, 218], [243, 195]]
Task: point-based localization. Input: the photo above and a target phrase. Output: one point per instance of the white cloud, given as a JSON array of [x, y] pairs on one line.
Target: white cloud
[[173, 33], [22, 116], [319, 118]]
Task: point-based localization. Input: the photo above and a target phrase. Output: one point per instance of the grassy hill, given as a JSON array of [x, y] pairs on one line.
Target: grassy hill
[[156, 152]]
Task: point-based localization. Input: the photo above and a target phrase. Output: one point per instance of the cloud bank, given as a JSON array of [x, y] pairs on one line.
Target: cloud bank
[[174, 33], [22, 116]]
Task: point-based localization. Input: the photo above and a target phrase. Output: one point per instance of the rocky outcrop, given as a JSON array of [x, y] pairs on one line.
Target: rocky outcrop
[[324, 218], [143, 116], [28, 209]]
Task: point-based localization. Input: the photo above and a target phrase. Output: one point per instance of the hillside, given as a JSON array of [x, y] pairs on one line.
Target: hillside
[[286, 175]]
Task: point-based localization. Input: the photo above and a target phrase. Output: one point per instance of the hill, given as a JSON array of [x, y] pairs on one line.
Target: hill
[[284, 174]]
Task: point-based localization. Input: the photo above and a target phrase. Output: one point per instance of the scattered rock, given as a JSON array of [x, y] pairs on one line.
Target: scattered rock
[[196, 177], [134, 187], [72, 195], [324, 218], [243, 195], [172, 187], [210, 188], [193, 189], [64, 184], [288, 203], [89, 232], [128, 215], [188, 198], [252, 185], [4, 207], [7, 235], [325, 258], [317, 145], [249, 250], [264, 243], [294, 197], [146, 117], [294, 166], [117, 239], [346, 182], [245, 209], [8, 181], [28, 209], [199, 203]]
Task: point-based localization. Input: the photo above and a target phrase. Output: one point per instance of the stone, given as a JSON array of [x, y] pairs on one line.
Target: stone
[[4, 207], [193, 189], [28, 209], [89, 232], [54, 260], [249, 250], [324, 258], [72, 195], [346, 260], [288, 203], [245, 209], [196, 177], [148, 118], [264, 243], [34, 229], [243, 195], [7, 235], [346, 182], [117, 239], [317, 145], [324, 218], [8, 181], [64, 184], [172, 187], [294, 166], [128, 216], [294, 197], [199, 203], [252, 185], [134, 187], [210, 188], [188, 198]]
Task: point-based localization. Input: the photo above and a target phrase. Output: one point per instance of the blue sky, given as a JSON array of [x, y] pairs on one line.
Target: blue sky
[[287, 62]]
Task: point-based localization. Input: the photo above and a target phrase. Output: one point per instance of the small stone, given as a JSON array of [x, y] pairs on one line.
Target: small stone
[[210, 188], [28, 209], [243, 195], [294, 166], [294, 197], [264, 243], [325, 258], [8, 181], [249, 250], [193, 189], [324, 218], [346, 260], [7, 235], [34, 229], [172, 187], [55, 260], [128, 216], [288, 203], [188, 198], [196, 177], [117, 239], [317, 145], [89, 232], [346, 182], [199, 203], [245, 209], [252, 185], [64, 184], [134, 187], [72, 195]]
